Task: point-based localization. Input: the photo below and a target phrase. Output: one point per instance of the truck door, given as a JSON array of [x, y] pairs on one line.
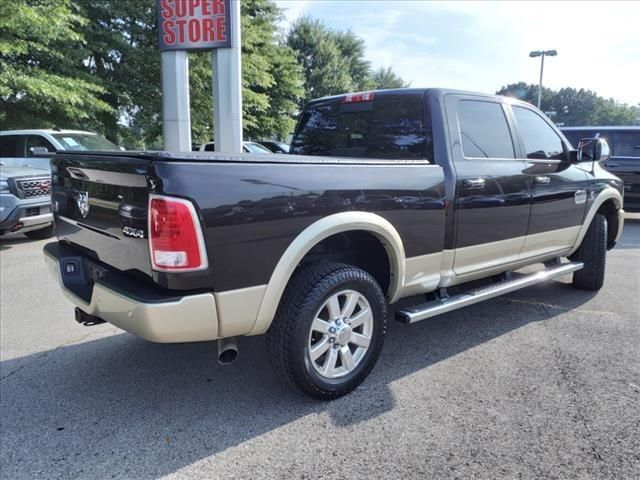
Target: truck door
[[492, 198], [559, 188]]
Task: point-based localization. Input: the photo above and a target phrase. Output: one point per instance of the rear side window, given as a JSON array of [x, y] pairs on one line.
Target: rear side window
[[9, 146], [484, 131], [540, 140], [626, 144], [391, 127]]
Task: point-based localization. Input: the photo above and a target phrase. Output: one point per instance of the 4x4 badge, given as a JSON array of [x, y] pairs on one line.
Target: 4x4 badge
[[83, 203]]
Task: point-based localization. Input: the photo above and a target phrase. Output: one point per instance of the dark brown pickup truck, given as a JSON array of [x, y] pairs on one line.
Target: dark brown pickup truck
[[386, 195]]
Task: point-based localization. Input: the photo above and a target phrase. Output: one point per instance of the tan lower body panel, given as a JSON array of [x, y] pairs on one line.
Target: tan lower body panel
[[238, 310]]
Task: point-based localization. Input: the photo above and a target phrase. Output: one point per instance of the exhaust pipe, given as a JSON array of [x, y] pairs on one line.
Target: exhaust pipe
[[227, 350]]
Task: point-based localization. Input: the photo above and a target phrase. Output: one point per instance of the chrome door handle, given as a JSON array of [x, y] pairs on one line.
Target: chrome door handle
[[473, 183], [543, 180]]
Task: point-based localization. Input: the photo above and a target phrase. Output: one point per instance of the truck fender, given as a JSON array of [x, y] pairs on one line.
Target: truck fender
[[315, 233], [608, 193]]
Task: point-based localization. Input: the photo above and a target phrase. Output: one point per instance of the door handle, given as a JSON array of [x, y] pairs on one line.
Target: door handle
[[543, 180], [473, 183]]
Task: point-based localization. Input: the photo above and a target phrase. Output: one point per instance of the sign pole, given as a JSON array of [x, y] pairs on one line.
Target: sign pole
[[176, 114], [227, 89]]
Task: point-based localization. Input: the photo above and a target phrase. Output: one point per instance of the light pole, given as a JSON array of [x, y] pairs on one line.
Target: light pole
[[542, 54]]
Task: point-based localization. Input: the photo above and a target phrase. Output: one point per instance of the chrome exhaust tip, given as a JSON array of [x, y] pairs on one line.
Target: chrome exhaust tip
[[227, 350]]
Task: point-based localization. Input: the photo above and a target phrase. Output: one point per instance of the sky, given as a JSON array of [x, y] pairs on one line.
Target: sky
[[482, 46]]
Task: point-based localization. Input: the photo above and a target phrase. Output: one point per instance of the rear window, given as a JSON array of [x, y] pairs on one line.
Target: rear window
[[390, 127]]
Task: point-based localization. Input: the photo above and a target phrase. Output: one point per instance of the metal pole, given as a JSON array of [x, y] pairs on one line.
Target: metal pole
[[176, 114], [540, 88], [227, 89]]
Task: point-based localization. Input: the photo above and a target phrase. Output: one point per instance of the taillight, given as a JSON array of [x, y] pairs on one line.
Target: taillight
[[176, 243], [358, 97]]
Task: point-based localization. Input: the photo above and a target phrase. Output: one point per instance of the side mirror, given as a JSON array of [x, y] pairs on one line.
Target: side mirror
[[39, 152], [593, 150]]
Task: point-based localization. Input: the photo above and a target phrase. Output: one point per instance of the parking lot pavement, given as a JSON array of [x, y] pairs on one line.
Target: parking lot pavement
[[543, 383]]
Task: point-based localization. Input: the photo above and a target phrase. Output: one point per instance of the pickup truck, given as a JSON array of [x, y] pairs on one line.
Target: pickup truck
[[438, 195]]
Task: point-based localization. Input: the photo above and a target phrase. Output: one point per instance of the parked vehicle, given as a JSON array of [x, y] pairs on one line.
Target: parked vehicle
[[247, 147], [17, 147], [625, 156], [415, 192], [275, 146], [25, 204]]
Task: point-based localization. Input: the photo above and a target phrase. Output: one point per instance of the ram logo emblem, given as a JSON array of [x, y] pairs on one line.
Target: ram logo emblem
[[83, 203]]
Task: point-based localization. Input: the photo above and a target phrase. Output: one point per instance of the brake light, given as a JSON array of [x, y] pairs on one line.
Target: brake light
[[176, 243], [358, 97]]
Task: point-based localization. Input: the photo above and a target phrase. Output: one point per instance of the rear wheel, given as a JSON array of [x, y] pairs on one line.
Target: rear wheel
[[329, 329], [41, 233], [593, 254]]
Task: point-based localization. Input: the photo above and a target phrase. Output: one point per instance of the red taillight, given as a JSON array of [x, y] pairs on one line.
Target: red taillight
[[175, 238], [358, 97]]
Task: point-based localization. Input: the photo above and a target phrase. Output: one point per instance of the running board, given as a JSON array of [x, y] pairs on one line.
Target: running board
[[437, 307]]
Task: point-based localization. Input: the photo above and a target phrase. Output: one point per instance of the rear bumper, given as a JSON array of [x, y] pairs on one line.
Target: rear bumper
[[148, 313]]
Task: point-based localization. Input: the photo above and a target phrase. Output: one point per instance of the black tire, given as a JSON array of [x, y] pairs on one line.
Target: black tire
[[593, 253], [289, 337], [41, 233]]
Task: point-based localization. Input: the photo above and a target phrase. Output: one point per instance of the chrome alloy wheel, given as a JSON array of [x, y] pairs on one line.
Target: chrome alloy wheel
[[340, 334]]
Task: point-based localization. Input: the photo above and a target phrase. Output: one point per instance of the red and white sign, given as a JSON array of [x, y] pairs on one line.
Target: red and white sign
[[194, 24]]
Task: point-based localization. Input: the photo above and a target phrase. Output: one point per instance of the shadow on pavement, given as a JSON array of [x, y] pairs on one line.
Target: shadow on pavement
[[138, 410], [10, 240]]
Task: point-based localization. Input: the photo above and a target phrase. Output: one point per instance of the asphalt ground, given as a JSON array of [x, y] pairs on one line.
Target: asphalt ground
[[542, 383]]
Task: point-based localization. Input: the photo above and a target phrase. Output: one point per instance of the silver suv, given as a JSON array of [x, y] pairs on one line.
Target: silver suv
[[25, 176]]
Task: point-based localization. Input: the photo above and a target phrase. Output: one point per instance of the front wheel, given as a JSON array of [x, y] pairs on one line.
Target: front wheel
[[329, 329], [593, 254]]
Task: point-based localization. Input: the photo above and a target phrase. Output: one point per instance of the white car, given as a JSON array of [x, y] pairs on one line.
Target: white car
[[17, 146], [247, 147]]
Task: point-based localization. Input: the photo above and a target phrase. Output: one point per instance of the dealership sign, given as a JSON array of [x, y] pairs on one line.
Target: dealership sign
[[194, 24]]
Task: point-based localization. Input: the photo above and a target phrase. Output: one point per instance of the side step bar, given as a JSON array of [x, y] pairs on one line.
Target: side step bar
[[437, 307]]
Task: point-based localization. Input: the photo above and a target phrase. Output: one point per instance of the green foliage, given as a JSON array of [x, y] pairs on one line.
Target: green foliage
[[574, 107], [41, 47], [334, 62], [387, 78]]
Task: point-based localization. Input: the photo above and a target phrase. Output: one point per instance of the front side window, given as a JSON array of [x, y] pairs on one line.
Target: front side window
[[484, 131], [34, 141], [627, 144], [541, 142]]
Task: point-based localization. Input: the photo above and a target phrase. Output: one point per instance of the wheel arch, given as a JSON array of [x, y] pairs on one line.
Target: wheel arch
[[312, 236], [609, 203]]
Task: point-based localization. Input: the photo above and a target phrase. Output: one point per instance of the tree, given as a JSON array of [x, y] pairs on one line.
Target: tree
[[387, 78], [41, 84], [574, 107], [334, 62]]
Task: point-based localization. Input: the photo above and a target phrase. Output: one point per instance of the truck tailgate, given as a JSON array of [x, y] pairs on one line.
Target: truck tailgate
[[100, 205]]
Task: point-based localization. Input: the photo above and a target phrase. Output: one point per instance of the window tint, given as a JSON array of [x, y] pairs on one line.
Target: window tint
[[627, 144], [9, 145], [392, 127], [540, 140], [38, 141], [483, 130]]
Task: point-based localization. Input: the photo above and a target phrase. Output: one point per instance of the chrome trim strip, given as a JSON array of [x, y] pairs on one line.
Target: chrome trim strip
[[431, 309]]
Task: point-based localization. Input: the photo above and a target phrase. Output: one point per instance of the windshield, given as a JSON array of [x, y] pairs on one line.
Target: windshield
[[255, 148], [85, 141]]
